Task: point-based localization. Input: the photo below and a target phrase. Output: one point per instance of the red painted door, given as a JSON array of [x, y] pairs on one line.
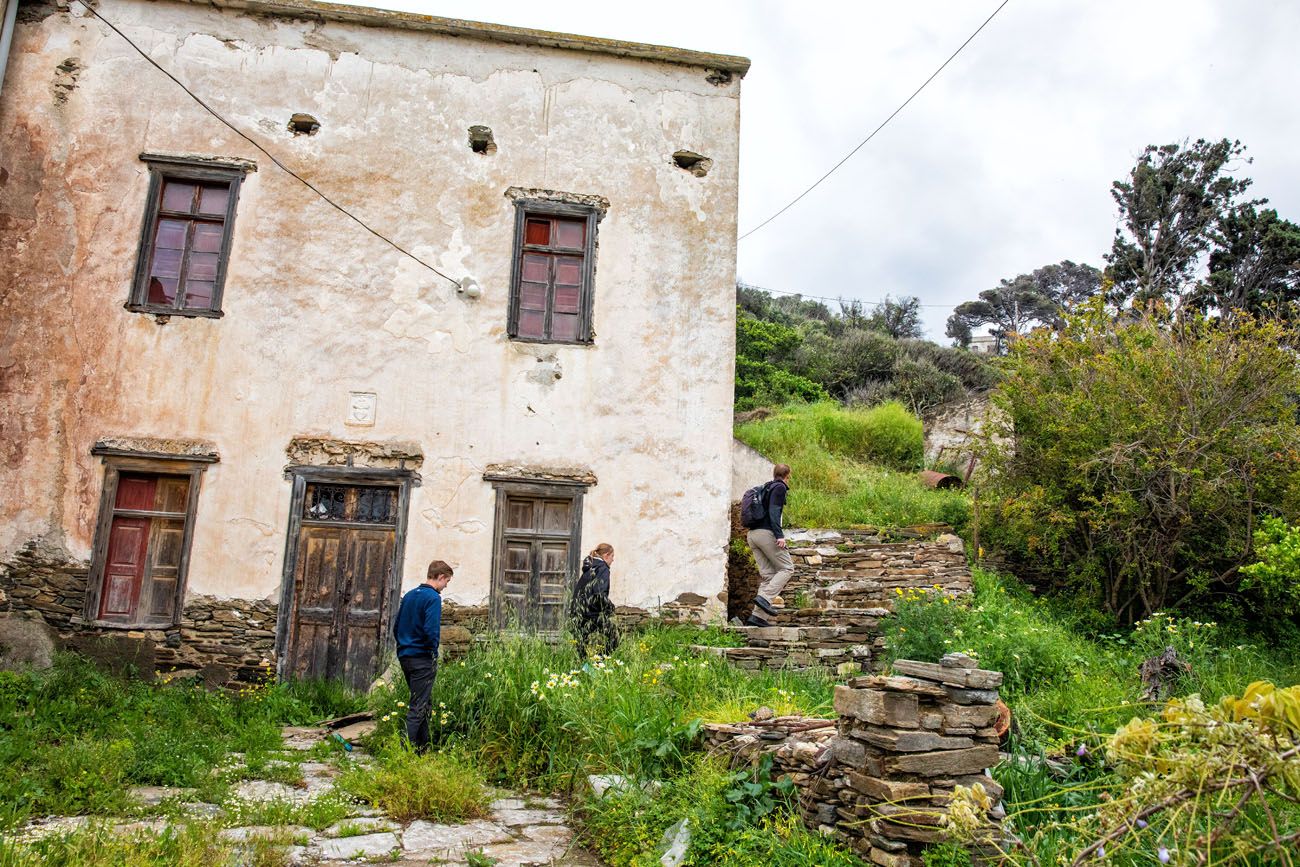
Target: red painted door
[[128, 544]]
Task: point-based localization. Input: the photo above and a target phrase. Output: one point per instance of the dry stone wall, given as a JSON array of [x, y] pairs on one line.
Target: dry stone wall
[[880, 777], [844, 583], [858, 569]]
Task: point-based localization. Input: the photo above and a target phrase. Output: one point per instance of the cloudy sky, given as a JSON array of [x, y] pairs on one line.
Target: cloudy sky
[[1002, 164]]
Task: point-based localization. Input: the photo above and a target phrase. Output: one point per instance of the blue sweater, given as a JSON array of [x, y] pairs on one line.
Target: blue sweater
[[418, 625]]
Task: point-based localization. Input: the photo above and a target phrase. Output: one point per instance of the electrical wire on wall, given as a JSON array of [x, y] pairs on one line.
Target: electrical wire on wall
[[272, 157]]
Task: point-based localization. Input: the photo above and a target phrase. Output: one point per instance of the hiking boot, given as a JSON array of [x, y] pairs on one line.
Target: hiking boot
[[765, 605]]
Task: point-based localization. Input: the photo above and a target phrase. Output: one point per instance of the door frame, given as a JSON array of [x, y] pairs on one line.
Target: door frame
[[301, 476], [557, 489]]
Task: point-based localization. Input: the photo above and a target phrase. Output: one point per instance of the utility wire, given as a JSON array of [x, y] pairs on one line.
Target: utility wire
[[306, 183], [883, 124], [841, 300]]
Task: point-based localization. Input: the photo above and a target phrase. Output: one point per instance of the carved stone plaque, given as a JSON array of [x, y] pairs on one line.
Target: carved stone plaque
[[361, 408]]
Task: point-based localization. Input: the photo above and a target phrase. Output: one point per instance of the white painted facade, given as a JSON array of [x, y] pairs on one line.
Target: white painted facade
[[329, 333]]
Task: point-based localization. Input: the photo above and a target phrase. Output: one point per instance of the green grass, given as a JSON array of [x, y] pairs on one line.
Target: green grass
[[832, 485], [192, 845], [73, 739], [531, 716], [440, 787]]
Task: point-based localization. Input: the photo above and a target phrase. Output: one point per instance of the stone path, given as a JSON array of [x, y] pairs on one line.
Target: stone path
[[520, 830]]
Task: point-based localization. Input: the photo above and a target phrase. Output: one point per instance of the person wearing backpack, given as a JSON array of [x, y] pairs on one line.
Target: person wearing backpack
[[591, 613], [760, 512]]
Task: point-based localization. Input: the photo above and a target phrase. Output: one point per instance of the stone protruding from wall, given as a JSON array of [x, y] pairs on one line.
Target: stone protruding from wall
[[856, 569], [904, 742]]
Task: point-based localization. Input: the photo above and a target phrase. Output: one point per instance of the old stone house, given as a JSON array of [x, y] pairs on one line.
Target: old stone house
[[237, 420]]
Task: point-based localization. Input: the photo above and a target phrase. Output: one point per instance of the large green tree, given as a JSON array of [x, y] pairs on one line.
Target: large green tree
[[1170, 207], [1254, 266]]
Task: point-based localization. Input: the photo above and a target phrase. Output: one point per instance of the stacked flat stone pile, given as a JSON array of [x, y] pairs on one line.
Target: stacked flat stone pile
[[904, 743], [798, 745]]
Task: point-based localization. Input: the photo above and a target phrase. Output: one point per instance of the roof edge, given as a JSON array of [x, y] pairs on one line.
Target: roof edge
[[371, 17]]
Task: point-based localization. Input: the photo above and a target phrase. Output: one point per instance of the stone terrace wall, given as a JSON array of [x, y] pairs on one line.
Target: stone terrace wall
[[882, 779], [858, 569]]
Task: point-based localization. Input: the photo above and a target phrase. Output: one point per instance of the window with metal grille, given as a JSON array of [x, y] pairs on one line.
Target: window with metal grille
[[554, 265], [185, 243]]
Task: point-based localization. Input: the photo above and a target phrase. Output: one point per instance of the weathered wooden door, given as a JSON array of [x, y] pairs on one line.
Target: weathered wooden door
[[342, 581], [534, 561]]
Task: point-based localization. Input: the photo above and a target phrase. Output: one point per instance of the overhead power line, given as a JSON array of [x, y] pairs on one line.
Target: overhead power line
[[272, 157], [883, 124], [824, 298]]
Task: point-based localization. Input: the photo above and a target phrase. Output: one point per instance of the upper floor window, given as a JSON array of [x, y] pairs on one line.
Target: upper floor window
[[554, 262], [185, 243]]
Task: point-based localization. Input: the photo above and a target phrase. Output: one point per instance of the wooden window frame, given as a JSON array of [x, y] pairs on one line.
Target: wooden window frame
[[163, 168], [302, 476], [525, 208], [555, 489], [116, 462]]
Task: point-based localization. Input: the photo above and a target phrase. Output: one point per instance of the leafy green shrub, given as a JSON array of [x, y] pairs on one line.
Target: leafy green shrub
[[886, 434], [1002, 629], [894, 437], [1275, 576], [763, 376], [1132, 457], [440, 787], [753, 794]]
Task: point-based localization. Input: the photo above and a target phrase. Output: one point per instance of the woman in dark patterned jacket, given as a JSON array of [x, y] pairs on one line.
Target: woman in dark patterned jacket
[[591, 613]]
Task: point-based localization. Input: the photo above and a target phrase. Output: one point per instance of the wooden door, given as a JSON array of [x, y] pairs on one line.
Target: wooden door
[[534, 561], [342, 582]]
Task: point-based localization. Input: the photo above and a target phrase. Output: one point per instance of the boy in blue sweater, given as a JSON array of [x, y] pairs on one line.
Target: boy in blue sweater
[[417, 628]]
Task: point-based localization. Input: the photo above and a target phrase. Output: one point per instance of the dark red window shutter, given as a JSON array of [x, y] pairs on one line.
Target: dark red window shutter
[[552, 263]]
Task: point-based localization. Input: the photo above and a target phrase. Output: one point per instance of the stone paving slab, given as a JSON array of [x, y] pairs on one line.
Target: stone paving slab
[[427, 837], [515, 818], [366, 845]]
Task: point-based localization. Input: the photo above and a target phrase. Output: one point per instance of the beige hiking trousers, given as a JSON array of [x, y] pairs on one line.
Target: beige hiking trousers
[[774, 563]]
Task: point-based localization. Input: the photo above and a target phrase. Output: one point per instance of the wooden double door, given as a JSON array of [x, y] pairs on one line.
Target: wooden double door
[[345, 577], [537, 556]]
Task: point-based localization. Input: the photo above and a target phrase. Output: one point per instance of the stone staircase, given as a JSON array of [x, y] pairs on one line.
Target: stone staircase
[[845, 583]]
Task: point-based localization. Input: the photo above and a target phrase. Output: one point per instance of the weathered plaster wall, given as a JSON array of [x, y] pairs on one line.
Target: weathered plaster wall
[[749, 467], [315, 307]]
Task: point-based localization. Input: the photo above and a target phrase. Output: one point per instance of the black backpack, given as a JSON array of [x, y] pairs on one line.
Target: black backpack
[[753, 506]]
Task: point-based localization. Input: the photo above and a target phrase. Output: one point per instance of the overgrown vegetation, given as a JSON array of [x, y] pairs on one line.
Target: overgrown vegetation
[[441, 787], [73, 739], [1135, 459], [835, 484], [795, 349]]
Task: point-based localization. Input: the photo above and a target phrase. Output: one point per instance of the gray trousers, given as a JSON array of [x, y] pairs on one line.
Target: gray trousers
[[774, 564]]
